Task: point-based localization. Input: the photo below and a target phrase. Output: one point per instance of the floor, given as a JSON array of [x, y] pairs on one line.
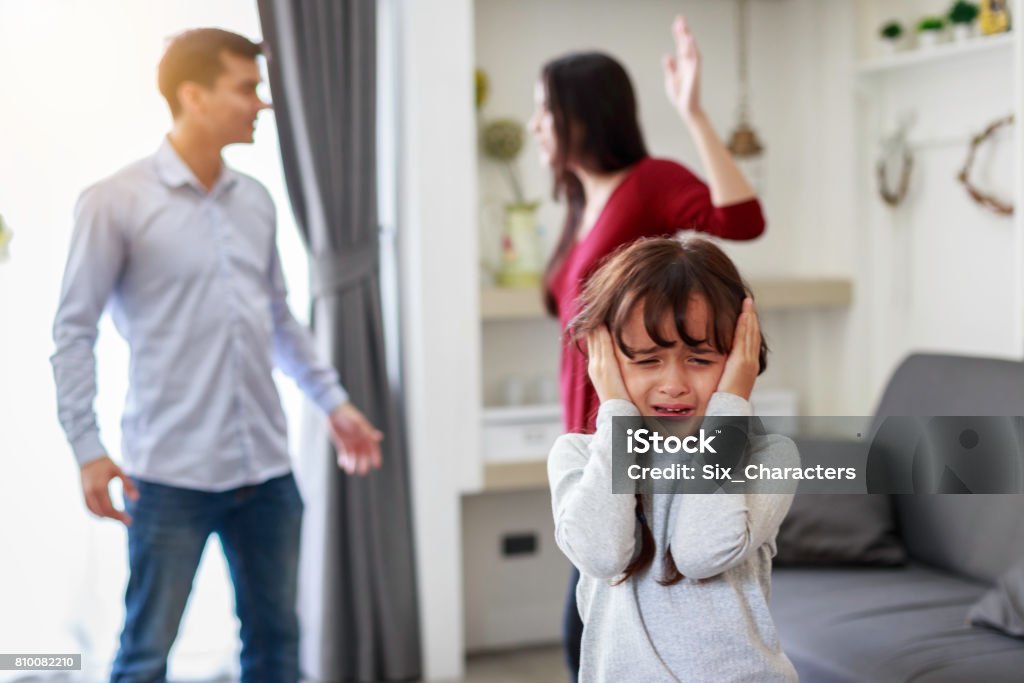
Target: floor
[[536, 665]]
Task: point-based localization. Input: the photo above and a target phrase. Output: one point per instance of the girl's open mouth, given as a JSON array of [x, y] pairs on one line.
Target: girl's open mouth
[[673, 410]]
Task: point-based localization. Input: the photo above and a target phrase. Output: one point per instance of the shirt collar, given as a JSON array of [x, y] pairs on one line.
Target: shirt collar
[[174, 172]]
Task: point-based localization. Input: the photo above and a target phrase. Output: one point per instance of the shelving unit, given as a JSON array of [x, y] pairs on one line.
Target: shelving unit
[[939, 53], [772, 294]]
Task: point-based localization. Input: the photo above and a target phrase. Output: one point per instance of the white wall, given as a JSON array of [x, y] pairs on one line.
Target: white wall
[[441, 330]]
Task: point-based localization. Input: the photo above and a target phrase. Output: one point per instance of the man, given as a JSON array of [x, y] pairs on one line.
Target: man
[[183, 251]]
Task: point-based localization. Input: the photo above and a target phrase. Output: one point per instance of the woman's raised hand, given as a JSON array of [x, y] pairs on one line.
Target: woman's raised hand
[[603, 366], [743, 363], [682, 71]]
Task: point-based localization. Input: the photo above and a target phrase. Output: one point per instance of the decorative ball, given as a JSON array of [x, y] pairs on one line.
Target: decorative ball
[[502, 139]]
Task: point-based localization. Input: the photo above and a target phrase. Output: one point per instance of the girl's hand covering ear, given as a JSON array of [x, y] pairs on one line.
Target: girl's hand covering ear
[[743, 364], [603, 366]]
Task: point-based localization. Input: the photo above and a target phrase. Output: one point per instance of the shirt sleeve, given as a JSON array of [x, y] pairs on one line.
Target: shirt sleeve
[[595, 528], [714, 532], [294, 351], [687, 205], [95, 262]]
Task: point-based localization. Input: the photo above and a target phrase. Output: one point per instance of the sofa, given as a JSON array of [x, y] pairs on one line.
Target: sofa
[[902, 613]]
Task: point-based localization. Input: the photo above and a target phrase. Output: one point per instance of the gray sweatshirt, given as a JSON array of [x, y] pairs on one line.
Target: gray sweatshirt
[[718, 629]]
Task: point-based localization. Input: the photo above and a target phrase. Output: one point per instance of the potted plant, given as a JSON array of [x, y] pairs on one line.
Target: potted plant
[[501, 140], [962, 16], [891, 36], [929, 30]]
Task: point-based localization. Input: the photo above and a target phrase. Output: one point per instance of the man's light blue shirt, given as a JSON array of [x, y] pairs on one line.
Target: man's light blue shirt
[[193, 282]]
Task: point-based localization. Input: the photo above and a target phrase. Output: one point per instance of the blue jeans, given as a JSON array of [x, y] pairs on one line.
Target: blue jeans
[[572, 628], [259, 529]]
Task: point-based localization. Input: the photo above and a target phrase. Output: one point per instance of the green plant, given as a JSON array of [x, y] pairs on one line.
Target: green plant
[[963, 12], [482, 87], [931, 24], [502, 140], [891, 30]]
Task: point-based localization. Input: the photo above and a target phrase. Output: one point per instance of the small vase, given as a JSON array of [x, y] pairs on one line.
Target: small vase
[[963, 32], [520, 247], [889, 46], [928, 39]]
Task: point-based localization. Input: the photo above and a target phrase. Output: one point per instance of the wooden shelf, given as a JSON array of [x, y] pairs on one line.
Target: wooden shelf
[[523, 413], [938, 53], [515, 476], [781, 293], [509, 303], [792, 293]]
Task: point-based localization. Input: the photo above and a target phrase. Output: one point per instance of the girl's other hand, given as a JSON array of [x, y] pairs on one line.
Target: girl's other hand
[[742, 365], [682, 71], [603, 366]]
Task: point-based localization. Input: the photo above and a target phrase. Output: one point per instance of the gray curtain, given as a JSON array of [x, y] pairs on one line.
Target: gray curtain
[[357, 602]]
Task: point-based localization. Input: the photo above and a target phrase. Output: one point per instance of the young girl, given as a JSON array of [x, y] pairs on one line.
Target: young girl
[[586, 126], [674, 587]]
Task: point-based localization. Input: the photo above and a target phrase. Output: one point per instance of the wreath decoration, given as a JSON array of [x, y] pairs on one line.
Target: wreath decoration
[[895, 146], [890, 196], [986, 199]]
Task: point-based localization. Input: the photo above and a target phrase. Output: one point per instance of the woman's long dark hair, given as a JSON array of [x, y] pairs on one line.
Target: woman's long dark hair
[[662, 275], [594, 111]]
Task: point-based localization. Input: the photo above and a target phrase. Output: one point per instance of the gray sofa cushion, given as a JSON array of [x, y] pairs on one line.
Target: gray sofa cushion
[[1002, 607], [975, 536], [906, 624], [834, 529], [830, 529], [933, 384]]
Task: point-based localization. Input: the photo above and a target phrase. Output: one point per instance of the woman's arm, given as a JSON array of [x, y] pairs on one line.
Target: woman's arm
[[682, 85]]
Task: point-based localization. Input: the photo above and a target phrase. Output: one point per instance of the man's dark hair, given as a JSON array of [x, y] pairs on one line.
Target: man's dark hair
[[195, 56]]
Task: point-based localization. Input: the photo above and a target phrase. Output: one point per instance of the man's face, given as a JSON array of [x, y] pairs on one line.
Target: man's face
[[228, 110]]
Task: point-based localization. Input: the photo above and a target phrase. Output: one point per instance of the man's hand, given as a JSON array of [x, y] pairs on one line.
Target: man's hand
[[96, 477], [603, 366], [356, 440], [743, 364]]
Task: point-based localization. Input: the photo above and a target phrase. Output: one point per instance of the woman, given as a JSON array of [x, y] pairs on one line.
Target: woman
[[586, 127]]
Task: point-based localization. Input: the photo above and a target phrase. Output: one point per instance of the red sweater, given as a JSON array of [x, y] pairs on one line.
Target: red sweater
[[657, 198]]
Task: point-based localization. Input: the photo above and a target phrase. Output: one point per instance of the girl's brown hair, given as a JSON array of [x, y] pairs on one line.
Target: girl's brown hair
[[663, 275]]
